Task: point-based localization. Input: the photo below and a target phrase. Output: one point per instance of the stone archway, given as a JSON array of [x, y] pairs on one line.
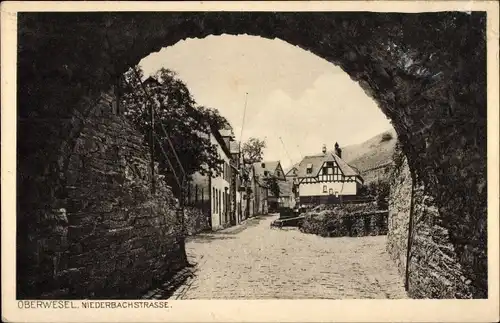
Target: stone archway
[[427, 72]]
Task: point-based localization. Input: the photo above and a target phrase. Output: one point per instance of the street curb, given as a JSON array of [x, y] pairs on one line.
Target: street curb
[[170, 287]]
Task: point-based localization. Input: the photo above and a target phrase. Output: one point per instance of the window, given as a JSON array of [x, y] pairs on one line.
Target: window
[[329, 164], [213, 200], [219, 206], [309, 168], [324, 189], [325, 170]]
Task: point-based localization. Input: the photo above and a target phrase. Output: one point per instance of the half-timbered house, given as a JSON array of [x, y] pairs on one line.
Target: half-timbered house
[[327, 179]]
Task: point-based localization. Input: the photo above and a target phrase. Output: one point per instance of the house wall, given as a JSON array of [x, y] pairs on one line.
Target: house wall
[[218, 216], [260, 201], [286, 201], [316, 189], [238, 207]]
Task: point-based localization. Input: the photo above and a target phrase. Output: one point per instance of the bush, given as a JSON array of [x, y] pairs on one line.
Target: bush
[[382, 195], [347, 220], [378, 190]]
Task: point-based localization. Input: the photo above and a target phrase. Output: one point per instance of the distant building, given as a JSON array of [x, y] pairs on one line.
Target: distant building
[[291, 177], [327, 178], [248, 194], [287, 197], [264, 170], [292, 172], [237, 188]]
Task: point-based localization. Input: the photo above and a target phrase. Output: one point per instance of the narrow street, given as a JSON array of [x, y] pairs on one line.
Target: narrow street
[[253, 261]]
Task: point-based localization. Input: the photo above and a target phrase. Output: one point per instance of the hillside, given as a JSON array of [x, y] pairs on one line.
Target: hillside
[[374, 152]]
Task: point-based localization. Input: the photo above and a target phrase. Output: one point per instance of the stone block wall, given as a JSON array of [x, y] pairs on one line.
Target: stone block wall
[[399, 216], [434, 268], [111, 237], [439, 113]]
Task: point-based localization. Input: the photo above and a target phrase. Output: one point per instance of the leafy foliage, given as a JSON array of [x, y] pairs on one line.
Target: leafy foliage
[[346, 220], [273, 185], [252, 150], [379, 190], [177, 119]]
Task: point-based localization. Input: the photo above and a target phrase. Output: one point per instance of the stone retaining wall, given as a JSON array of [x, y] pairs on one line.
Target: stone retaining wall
[[109, 230], [434, 269]]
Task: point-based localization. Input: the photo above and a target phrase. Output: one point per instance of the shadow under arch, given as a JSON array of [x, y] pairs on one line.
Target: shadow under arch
[[426, 71]]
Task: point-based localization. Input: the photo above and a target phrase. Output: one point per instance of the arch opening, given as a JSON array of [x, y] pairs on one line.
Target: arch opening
[[435, 99]]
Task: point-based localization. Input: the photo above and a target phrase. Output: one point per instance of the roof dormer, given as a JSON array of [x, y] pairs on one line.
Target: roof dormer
[[309, 168]]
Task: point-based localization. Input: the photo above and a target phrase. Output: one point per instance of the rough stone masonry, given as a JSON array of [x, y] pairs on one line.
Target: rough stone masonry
[[434, 270], [110, 229], [437, 106]]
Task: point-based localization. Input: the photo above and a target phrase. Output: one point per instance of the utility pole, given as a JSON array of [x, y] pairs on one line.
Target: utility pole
[[243, 121]]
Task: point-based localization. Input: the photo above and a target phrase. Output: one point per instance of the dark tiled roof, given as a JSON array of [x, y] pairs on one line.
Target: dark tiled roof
[[269, 166], [316, 161], [288, 172]]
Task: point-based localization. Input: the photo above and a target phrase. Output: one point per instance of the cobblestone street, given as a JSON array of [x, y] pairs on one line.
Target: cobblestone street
[[253, 261]]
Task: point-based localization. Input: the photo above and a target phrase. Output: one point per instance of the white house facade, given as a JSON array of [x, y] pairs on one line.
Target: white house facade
[[326, 178], [218, 186]]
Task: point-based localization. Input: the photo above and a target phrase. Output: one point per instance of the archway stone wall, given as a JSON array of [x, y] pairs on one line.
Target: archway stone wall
[[425, 71]]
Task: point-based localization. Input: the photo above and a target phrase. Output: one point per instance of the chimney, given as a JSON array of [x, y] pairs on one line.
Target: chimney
[[338, 151], [324, 149]]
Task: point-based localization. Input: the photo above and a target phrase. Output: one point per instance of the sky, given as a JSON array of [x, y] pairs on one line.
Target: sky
[[296, 100]]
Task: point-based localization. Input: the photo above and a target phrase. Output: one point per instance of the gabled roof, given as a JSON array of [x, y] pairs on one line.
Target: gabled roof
[[316, 161], [269, 166], [260, 172], [345, 167], [294, 166]]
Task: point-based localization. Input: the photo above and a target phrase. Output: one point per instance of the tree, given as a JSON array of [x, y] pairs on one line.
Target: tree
[[213, 117], [252, 150], [273, 185], [178, 119]]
